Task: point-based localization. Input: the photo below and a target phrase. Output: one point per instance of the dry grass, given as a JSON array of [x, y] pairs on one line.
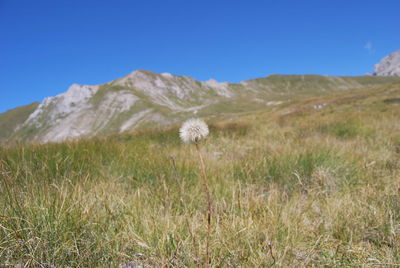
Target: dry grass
[[292, 189]]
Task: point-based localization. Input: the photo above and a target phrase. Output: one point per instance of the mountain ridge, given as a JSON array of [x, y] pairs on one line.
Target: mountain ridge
[[144, 98]]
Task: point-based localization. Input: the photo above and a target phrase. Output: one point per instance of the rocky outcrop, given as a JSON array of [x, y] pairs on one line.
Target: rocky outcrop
[[389, 65], [118, 106]]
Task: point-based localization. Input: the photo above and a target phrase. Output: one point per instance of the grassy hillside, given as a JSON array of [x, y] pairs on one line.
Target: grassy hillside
[[295, 86], [12, 118], [307, 183], [143, 98]]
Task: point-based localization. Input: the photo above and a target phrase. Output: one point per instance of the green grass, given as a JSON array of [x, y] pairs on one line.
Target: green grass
[[12, 118], [346, 128], [318, 185], [299, 170], [309, 85]]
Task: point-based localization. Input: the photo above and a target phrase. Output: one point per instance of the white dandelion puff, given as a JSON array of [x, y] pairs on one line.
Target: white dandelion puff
[[193, 130]]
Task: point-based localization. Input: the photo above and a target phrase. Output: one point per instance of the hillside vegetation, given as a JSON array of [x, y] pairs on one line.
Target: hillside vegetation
[[306, 183], [11, 119]]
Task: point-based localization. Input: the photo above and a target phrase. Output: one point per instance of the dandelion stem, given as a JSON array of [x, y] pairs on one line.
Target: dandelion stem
[[209, 202]]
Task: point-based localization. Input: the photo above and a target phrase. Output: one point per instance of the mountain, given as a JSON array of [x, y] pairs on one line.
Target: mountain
[[147, 99], [389, 65], [11, 119]]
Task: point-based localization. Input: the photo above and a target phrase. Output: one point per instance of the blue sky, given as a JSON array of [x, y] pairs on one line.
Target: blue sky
[[46, 45]]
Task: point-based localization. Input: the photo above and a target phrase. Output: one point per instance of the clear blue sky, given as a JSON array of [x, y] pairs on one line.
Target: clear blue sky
[[46, 45]]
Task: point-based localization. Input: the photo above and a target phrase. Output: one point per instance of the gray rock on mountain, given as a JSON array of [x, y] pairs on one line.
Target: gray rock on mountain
[[389, 65]]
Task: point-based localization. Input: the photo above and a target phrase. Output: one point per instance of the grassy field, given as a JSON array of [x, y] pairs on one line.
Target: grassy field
[[303, 184]]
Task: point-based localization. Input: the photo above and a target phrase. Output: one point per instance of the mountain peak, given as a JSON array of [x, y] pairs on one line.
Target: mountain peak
[[389, 65], [168, 75], [144, 72]]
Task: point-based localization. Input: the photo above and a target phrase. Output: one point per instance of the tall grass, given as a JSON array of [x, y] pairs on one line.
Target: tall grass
[[286, 193]]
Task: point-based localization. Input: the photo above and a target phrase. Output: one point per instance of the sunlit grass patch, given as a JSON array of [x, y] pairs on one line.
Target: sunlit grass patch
[[346, 128], [301, 169], [230, 129]]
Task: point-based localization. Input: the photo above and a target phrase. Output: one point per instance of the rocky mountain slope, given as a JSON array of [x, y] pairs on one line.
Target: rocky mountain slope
[[389, 65], [143, 99]]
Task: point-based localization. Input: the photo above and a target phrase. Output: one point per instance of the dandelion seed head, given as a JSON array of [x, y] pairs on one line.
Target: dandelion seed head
[[193, 130]]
